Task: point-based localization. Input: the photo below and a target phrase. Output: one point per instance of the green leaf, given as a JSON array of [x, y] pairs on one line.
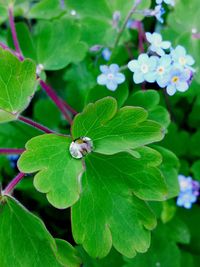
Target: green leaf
[[64, 42], [150, 101], [25, 240], [113, 259], [67, 254], [99, 92], [163, 251], [16, 134], [195, 169], [114, 130], [17, 85], [170, 170], [46, 9], [174, 140], [58, 174], [45, 109], [26, 42], [111, 209]]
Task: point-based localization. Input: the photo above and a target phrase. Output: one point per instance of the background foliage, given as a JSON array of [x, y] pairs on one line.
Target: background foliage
[[117, 205]]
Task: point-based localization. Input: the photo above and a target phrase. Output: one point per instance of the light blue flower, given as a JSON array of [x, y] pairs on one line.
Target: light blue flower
[[168, 2], [185, 183], [157, 44], [189, 191], [143, 68], [186, 199], [178, 80], [180, 57], [106, 54], [110, 76], [159, 11], [162, 70]]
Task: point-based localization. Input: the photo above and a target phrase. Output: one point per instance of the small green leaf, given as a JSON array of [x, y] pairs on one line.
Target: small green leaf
[[163, 251], [16, 134], [25, 240], [58, 174], [113, 259], [46, 9], [150, 101], [114, 130], [111, 209], [17, 85], [196, 170], [67, 254], [64, 42], [169, 168]]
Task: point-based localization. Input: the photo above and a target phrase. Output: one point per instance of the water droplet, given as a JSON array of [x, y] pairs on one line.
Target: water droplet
[[81, 147]]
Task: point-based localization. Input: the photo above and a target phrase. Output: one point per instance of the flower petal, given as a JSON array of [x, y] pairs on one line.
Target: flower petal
[[133, 65], [171, 89], [150, 77], [120, 78], [182, 86], [104, 69], [102, 79], [166, 44], [114, 68], [112, 85], [138, 77]]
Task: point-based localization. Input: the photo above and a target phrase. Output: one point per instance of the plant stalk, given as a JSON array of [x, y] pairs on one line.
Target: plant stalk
[[57, 101], [9, 188], [11, 151], [35, 124], [14, 33]]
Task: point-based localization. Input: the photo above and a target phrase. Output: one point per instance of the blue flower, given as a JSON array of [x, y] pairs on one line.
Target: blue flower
[[178, 80], [110, 76], [168, 2], [106, 53], [185, 183], [157, 44], [162, 70], [186, 199], [158, 13], [143, 68], [189, 191], [181, 58], [13, 160]]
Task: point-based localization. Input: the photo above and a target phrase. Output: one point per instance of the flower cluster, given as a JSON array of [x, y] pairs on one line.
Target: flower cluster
[[172, 70], [189, 191], [110, 76]]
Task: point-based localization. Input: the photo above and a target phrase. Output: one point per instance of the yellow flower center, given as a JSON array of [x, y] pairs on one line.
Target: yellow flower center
[[175, 79]]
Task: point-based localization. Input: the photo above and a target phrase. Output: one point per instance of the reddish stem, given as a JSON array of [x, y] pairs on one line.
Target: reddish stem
[[11, 150], [35, 124], [141, 36], [9, 188], [14, 33], [51, 93]]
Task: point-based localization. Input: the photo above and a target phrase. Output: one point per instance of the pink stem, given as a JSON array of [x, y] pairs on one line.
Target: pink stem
[[13, 183], [50, 92], [11, 150], [14, 33], [141, 36], [5, 47], [35, 124]]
